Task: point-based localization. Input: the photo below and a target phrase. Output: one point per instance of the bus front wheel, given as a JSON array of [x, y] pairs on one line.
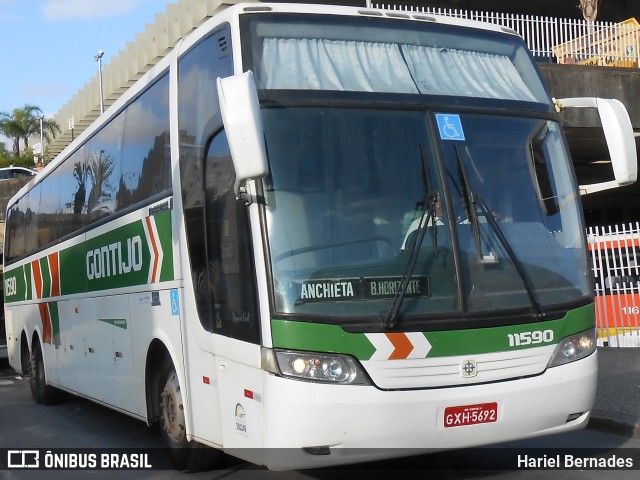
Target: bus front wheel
[[184, 455]]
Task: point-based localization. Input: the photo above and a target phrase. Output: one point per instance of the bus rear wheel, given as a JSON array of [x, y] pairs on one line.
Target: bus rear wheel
[[40, 391], [184, 455]]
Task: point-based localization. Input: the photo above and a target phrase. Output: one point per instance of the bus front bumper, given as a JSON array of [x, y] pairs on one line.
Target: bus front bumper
[[310, 425]]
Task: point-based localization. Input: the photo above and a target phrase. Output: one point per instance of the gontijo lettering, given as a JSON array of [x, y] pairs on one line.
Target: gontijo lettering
[[115, 259]]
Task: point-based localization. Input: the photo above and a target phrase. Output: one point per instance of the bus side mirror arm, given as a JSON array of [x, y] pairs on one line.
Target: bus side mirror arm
[[240, 110], [618, 133]]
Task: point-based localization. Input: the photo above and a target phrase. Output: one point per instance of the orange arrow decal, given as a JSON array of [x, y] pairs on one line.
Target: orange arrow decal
[[402, 346], [154, 247]]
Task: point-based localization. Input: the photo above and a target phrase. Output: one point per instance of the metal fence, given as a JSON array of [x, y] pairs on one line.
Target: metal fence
[[615, 258], [561, 40]]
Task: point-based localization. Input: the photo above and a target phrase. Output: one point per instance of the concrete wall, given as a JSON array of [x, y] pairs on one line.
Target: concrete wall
[[592, 81], [584, 133]]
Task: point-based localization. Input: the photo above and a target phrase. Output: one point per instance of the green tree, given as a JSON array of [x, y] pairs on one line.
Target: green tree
[[7, 159], [3, 151], [23, 123]]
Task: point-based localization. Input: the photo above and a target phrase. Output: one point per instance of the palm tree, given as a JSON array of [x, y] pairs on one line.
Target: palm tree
[[99, 170], [23, 123]]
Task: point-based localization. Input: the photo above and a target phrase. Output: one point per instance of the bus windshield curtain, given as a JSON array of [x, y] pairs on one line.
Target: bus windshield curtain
[[447, 71], [320, 64]]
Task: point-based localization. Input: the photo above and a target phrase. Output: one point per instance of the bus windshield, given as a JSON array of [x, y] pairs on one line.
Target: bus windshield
[[348, 189]]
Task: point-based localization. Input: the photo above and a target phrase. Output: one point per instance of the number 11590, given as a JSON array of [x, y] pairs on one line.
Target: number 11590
[[536, 337]]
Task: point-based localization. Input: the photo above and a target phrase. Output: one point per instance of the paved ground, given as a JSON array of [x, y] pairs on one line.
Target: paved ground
[[617, 405]]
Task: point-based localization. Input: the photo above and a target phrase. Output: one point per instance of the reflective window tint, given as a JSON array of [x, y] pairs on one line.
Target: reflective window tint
[[198, 119], [50, 213], [146, 166], [73, 193], [230, 287], [124, 164], [15, 235], [103, 169], [31, 219]]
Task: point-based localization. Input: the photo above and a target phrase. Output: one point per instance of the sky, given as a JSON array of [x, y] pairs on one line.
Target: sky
[[48, 47]]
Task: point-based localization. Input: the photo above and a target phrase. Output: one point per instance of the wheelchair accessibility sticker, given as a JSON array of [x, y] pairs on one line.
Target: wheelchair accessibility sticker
[[175, 302], [450, 126]]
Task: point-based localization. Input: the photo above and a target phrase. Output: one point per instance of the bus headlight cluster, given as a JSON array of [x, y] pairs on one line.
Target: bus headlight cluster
[[320, 367], [574, 347]]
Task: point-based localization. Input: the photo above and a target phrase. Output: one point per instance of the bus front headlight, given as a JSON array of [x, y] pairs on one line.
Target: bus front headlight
[[574, 347], [319, 367]]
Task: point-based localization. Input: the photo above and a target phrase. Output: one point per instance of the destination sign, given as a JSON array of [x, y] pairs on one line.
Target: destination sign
[[366, 288]]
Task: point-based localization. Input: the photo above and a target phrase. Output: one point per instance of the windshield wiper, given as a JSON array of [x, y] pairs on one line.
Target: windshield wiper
[[469, 201], [540, 314], [392, 315], [427, 179], [430, 215]]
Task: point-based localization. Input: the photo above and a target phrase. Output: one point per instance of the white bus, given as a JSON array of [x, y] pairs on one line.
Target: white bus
[[315, 235]]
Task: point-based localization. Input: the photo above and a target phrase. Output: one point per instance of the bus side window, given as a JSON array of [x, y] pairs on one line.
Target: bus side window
[[229, 273], [198, 117]]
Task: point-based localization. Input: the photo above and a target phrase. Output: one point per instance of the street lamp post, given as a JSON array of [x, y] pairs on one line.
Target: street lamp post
[[98, 58], [41, 141]]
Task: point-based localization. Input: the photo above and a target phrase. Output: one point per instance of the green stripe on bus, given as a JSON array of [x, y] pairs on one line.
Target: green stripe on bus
[[163, 224], [17, 284], [28, 293], [55, 322], [320, 338], [116, 259], [332, 338], [496, 339], [46, 277], [116, 322]]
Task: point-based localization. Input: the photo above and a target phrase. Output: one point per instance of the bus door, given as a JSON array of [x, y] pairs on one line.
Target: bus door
[[233, 305], [225, 287]]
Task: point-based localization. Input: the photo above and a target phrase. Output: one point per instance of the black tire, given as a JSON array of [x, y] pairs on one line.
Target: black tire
[[184, 455], [25, 359], [40, 391]]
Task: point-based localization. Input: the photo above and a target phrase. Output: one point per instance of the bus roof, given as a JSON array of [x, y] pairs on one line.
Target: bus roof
[[319, 8]]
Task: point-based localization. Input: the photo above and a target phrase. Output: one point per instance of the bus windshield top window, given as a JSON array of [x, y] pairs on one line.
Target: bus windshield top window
[[298, 53]]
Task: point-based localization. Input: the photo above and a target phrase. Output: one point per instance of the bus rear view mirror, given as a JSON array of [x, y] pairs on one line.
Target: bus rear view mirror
[[618, 133], [242, 121]]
